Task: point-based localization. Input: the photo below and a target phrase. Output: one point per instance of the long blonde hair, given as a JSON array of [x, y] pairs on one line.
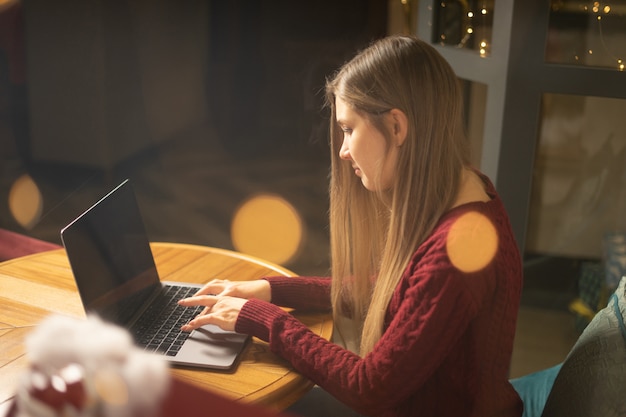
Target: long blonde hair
[[374, 234]]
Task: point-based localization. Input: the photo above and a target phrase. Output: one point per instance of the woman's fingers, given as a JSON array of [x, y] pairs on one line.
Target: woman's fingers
[[220, 311], [199, 321], [199, 300], [242, 289], [215, 286], [208, 301]]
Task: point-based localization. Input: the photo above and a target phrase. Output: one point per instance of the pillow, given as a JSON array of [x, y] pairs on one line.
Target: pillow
[[592, 380], [534, 389]]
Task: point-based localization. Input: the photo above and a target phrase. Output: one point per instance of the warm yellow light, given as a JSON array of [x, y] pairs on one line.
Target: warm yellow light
[[483, 48], [470, 14], [472, 242], [607, 9], [6, 3], [484, 11], [470, 30], [25, 201], [269, 227]]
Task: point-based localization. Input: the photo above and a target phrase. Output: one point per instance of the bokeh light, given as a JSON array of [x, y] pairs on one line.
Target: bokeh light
[[472, 242], [25, 201], [269, 227]]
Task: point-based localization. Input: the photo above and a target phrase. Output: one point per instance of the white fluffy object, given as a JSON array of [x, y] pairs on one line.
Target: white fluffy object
[[119, 379]]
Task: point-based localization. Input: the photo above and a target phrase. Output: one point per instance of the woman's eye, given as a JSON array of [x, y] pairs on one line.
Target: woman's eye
[[346, 130]]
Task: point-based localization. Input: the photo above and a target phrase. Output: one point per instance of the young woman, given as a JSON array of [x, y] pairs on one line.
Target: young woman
[[424, 263]]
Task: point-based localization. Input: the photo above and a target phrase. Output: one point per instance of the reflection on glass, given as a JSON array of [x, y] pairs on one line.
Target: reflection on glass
[[579, 177], [464, 24], [589, 33]]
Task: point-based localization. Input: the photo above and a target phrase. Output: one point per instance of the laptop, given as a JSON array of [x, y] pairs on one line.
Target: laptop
[[112, 263]]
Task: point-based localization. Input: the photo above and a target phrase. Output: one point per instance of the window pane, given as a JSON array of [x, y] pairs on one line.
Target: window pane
[[464, 24], [579, 177], [589, 33]]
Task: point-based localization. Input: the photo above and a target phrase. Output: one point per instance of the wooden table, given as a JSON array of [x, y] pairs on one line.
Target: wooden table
[[32, 287]]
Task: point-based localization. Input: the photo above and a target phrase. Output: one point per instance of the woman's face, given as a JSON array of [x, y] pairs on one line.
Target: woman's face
[[366, 148]]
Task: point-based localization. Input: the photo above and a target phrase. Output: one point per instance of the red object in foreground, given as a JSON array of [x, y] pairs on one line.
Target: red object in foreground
[[190, 401], [184, 399]]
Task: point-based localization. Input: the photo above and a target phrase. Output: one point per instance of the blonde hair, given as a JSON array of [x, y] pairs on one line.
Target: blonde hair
[[374, 234]]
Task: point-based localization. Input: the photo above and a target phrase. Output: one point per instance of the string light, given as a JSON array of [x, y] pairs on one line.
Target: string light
[[477, 22], [599, 10], [476, 25], [483, 48], [606, 9]]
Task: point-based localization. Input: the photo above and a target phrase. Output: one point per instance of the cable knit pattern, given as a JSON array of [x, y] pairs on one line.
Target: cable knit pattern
[[311, 294], [448, 340]]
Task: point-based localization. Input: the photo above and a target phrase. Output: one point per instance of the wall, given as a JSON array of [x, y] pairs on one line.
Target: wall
[[108, 79]]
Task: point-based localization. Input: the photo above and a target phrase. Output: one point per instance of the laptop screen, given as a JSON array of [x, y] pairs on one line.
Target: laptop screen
[[110, 256]]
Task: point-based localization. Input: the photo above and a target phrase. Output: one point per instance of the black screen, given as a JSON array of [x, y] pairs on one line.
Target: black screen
[[111, 257]]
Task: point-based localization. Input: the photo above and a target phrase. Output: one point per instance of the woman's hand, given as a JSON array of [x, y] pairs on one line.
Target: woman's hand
[[223, 300], [259, 289], [221, 311]]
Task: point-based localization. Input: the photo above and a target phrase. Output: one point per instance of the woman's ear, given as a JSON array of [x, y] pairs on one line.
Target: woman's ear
[[398, 125]]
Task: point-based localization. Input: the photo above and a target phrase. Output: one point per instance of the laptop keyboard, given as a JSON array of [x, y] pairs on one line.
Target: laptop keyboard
[[158, 329]]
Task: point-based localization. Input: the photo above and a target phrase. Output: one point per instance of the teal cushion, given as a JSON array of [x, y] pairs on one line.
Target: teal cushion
[[534, 389], [592, 380]]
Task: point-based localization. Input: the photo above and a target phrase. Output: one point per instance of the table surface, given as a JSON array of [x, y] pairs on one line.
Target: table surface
[[35, 286]]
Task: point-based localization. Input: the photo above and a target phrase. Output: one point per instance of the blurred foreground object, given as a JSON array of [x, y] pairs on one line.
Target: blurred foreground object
[[89, 368]]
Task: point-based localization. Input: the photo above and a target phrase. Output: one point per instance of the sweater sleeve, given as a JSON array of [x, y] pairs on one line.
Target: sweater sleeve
[[441, 330], [416, 342], [302, 293]]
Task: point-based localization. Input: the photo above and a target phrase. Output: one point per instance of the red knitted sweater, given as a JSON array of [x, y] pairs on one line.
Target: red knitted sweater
[[448, 337]]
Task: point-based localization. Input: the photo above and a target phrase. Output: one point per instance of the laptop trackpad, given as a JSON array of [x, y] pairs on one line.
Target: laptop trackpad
[[217, 347]]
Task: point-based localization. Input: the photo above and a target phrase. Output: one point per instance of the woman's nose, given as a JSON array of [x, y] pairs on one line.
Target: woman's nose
[[344, 152]]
